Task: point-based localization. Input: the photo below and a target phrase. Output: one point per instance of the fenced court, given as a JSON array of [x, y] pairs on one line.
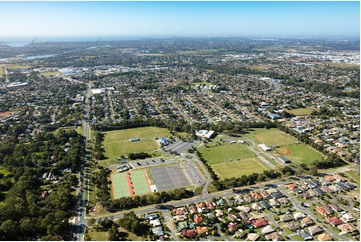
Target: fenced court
[[129, 184], [139, 182], [120, 186]]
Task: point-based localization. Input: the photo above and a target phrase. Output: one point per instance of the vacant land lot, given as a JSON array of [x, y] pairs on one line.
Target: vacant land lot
[[354, 175], [271, 137], [299, 153], [302, 111], [116, 143], [225, 152], [238, 168]]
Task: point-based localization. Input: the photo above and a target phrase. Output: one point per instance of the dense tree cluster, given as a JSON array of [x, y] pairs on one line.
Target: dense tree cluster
[[24, 213]]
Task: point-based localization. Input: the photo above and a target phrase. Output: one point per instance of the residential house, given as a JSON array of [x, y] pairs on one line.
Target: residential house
[[314, 230], [265, 194], [299, 215], [258, 223], [335, 207], [197, 218], [151, 216], [326, 189], [189, 233], [305, 222], [345, 217], [202, 230], [200, 207], [180, 217], [273, 202], [256, 195], [286, 218], [293, 226], [243, 216], [324, 237], [347, 228], [306, 236], [267, 230], [334, 221], [155, 222], [211, 205], [265, 204], [245, 209], [274, 237], [179, 211], [182, 225], [248, 198], [256, 207], [283, 200], [158, 231], [252, 236], [277, 195], [232, 226], [322, 211], [219, 213], [192, 209], [232, 217]]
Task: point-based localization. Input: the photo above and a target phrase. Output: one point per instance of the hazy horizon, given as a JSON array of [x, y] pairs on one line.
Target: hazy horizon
[[129, 20]]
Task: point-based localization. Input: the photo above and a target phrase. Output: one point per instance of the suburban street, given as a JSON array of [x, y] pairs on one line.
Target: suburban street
[[80, 209]]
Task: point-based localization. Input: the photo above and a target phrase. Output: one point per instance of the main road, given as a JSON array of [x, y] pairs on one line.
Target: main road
[[80, 209]]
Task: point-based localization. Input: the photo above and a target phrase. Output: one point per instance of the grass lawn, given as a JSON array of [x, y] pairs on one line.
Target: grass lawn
[[17, 66], [353, 174], [2, 72], [301, 111], [98, 236], [299, 153], [225, 152], [238, 168], [116, 143], [80, 130], [270, 137], [131, 236], [50, 73]]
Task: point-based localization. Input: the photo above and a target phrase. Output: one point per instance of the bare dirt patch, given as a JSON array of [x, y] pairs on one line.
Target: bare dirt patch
[[284, 151]]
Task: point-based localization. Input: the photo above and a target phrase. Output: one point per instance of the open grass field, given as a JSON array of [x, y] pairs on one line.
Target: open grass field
[[354, 175], [116, 143], [225, 152], [302, 111], [299, 153], [271, 137], [2, 72], [80, 130], [343, 65], [50, 73], [238, 168], [98, 236], [17, 66]]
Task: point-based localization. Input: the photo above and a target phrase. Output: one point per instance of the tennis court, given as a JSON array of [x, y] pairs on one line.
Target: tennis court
[[139, 182], [120, 186]]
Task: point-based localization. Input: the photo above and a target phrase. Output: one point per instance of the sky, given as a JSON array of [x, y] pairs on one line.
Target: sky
[[186, 19]]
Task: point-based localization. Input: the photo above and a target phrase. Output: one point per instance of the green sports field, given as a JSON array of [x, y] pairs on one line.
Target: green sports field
[[302, 111], [116, 143], [225, 153], [238, 168], [299, 153], [120, 187], [271, 137]]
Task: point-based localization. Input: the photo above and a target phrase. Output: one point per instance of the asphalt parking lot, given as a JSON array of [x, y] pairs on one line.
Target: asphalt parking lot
[[169, 177], [179, 146]]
